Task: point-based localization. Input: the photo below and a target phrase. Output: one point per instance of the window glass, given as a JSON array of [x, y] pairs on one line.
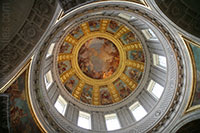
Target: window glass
[[126, 16], [61, 105], [112, 122], [149, 34], [159, 61], [48, 79], [155, 89], [84, 120], [50, 50], [162, 61], [138, 111]]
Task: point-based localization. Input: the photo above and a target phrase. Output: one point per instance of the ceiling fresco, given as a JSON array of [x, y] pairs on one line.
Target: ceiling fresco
[[21, 117], [98, 58], [100, 62]]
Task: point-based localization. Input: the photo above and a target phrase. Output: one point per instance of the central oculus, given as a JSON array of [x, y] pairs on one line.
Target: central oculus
[[98, 58]]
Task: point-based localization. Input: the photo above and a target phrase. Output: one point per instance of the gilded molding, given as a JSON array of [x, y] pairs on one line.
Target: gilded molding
[[13, 79], [173, 45], [189, 107], [28, 97]]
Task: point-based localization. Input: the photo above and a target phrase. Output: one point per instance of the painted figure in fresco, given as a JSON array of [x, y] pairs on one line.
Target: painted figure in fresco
[[124, 91], [127, 38], [94, 25], [16, 96], [105, 97], [130, 37], [16, 113], [70, 85], [135, 74], [137, 55], [98, 58], [77, 32], [142, 57], [65, 48], [86, 95], [21, 120], [114, 25], [16, 93], [63, 66]]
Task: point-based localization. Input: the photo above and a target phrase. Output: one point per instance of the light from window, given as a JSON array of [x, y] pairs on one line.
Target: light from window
[[126, 16], [96, 13], [155, 89], [138, 111], [159, 61], [84, 120], [149, 34], [61, 105], [48, 79], [112, 122], [152, 35], [50, 50], [162, 61]]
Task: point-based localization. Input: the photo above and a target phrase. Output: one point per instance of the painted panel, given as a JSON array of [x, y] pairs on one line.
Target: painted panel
[[94, 25], [133, 73], [64, 66], [66, 48], [128, 38], [86, 95], [136, 55], [122, 88], [196, 54], [20, 115], [105, 96], [113, 26], [71, 83], [77, 32]]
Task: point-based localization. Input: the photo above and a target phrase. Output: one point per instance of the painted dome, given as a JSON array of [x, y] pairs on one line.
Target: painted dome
[[100, 61], [109, 62]]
